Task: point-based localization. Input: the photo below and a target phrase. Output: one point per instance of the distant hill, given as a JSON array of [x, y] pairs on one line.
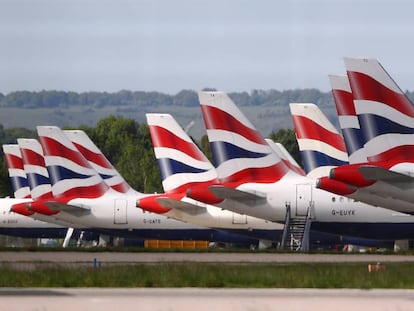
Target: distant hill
[[268, 110]]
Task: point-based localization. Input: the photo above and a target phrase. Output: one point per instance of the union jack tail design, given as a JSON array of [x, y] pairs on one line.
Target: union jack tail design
[[16, 171], [385, 113], [320, 144], [286, 157], [35, 167], [70, 173], [240, 153], [181, 162], [98, 160], [348, 119]]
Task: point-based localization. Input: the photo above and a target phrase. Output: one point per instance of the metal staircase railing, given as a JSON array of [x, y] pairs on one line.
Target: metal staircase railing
[[297, 230], [306, 232], [286, 227]]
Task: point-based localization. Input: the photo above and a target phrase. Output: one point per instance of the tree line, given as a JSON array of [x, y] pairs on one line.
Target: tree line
[[187, 98]]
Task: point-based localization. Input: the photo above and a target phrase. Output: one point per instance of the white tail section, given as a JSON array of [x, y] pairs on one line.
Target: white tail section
[[16, 171], [70, 173], [385, 113], [348, 119], [98, 160], [285, 156], [35, 167], [240, 153], [181, 162], [320, 144]]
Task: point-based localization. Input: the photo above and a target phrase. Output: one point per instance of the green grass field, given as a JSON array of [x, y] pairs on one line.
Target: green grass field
[[312, 275]]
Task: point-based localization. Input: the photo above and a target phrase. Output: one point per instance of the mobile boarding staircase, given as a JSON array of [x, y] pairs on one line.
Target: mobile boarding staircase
[[296, 231]]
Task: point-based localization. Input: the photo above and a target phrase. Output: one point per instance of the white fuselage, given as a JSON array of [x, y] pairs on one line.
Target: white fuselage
[[299, 193], [118, 211], [216, 217]]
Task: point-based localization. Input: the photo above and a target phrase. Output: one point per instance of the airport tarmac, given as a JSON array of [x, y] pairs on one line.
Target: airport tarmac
[[148, 257], [201, 299], [197, 298]]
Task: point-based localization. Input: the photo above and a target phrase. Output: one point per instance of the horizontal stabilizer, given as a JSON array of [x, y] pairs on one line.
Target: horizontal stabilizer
[[185, 207], [237, 195], [381, 174], [67, 208]]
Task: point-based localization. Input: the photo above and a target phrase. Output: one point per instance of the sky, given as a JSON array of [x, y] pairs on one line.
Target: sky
[[171, 45]]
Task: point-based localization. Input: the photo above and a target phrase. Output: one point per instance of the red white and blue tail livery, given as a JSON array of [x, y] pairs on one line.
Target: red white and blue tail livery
[[385, 113], [182, 164], [320, 144], [70, 173], [98, 160], [271, 201], [185, 170], [16, 171], [186, 177], [348, 119], [385, 116], [35, 167], [286, 157], [240, 152]]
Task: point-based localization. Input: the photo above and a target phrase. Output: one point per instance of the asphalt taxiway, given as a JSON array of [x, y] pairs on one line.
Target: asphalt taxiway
[[196, 298], [183, 299], [148, 257]]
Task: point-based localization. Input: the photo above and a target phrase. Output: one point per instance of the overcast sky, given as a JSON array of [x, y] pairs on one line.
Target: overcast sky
[[167, 46]]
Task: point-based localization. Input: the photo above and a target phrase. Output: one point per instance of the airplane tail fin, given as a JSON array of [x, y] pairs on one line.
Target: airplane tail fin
[[240, 153], [98, 160], [348, 119], [286, 157], [35, 167], [184, 168], [70, 173], [16, 171], [385, 113], [320, 144]]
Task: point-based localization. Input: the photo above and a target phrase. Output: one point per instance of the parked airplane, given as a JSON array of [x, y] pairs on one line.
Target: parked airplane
[[384, 116], [354, 141], [184, 168], [314, 129], [81, 197], [39, 184], [14, 224], [241, 155], [204, 216], [323, 145]]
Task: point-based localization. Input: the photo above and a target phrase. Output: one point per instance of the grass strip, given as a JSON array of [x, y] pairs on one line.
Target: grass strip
[[230, 275]]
